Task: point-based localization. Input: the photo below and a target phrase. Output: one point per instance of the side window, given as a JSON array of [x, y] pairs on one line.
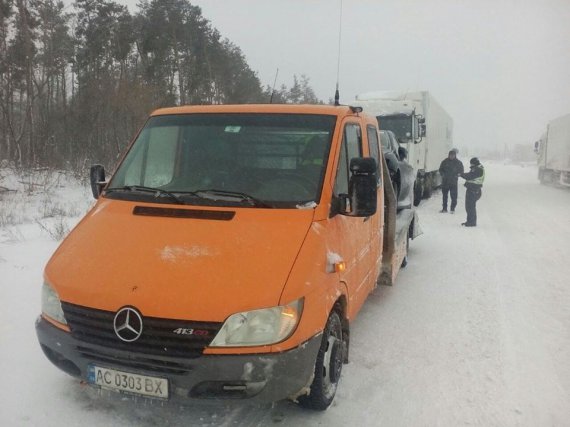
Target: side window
[[341, 183], [385, 140], [351, 147], [395, 146], [373, 145], [352, 135]]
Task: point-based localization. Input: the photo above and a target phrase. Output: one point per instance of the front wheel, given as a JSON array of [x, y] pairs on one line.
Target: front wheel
[[418, 192], [328, 367]]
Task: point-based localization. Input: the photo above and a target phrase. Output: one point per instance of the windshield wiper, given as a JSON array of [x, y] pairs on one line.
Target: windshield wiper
[[243, 197], [157, 191], [211, 194]]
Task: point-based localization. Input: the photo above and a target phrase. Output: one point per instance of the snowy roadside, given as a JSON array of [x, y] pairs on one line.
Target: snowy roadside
[[51, 200], [36, 210], [475, 332]]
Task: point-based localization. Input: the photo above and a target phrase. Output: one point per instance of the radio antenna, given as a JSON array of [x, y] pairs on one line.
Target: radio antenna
[[274, 83], [336, 93]]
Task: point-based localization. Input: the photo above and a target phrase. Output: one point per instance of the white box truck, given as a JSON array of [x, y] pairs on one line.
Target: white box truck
[[421, 125], [554, 152]]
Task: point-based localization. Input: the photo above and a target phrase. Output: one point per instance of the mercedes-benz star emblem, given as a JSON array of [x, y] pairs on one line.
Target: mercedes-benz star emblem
[[128, 324]]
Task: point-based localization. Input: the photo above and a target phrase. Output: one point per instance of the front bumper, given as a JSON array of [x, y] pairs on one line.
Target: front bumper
[[262, 377]]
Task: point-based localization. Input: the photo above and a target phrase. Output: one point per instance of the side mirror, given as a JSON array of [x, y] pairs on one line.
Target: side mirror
[[97, 178], [361, 199], [403, 153], [422, 129], [421, 126]]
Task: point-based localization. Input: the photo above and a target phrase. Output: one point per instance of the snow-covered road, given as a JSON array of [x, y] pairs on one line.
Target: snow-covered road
[[475, 332]]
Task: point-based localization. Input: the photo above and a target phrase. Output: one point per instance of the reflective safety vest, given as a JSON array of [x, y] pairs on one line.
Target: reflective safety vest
[[480, 180]]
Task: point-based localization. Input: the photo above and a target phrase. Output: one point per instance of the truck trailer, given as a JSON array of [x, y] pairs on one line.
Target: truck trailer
[[554, 152], [419, 122], [227, 256]]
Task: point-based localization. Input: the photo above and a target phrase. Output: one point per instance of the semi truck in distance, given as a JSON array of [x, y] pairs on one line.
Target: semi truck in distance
[[553, 150], [421, 124]]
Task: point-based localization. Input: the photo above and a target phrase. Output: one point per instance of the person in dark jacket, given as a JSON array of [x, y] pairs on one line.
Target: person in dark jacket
[[449, 170], [473, 183]]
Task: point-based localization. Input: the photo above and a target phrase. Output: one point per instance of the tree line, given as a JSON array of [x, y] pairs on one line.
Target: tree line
[[76, 82]]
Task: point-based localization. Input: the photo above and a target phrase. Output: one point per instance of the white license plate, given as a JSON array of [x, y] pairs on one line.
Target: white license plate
[[130, 383]]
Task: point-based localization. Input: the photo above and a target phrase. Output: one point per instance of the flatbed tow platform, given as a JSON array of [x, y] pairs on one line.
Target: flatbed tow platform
[[400, 227]]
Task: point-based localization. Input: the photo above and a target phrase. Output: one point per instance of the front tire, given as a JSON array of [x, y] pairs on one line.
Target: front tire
[[418, 191], [328, 367]]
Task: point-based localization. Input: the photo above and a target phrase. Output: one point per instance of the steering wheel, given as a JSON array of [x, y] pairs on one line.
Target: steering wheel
[[303, 181], [296, 185]]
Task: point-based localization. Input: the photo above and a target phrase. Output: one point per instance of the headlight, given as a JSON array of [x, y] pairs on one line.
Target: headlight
[[51, 305], [259, 327]]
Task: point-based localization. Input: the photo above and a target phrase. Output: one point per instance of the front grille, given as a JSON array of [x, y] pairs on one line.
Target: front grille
[[95, 326], [129, 361]]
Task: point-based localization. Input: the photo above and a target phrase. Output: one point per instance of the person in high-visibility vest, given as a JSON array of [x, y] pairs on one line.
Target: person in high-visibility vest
[[473, 183]]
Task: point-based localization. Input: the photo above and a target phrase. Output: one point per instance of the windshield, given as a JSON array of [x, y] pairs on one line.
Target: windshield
[[276, 158], [385, 140], [400, 124]]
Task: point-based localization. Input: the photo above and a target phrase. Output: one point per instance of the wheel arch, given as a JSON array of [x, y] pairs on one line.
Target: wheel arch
[[341, 307]]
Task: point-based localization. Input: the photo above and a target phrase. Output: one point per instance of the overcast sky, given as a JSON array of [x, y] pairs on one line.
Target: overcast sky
[[501, 68]]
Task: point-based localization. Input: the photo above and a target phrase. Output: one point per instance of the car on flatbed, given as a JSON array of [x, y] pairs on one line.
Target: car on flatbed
[[402, 174]]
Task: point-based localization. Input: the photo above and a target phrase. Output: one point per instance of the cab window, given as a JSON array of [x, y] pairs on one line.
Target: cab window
[[373, 145], [351, 147]]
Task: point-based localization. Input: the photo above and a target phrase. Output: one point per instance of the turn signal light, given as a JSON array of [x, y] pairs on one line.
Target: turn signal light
[[339, 267]]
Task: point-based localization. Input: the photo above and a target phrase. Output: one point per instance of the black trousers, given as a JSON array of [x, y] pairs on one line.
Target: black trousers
[[471, 197], [451, 188]]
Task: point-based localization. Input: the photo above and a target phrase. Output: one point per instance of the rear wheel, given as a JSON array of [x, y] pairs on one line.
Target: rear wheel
[[428, 186], [328, 367]]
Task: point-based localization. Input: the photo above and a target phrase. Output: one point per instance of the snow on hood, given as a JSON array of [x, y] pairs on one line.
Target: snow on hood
[[175, 253]]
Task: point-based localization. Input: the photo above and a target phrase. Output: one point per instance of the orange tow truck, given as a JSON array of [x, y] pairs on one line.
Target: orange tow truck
[[227, 256]]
